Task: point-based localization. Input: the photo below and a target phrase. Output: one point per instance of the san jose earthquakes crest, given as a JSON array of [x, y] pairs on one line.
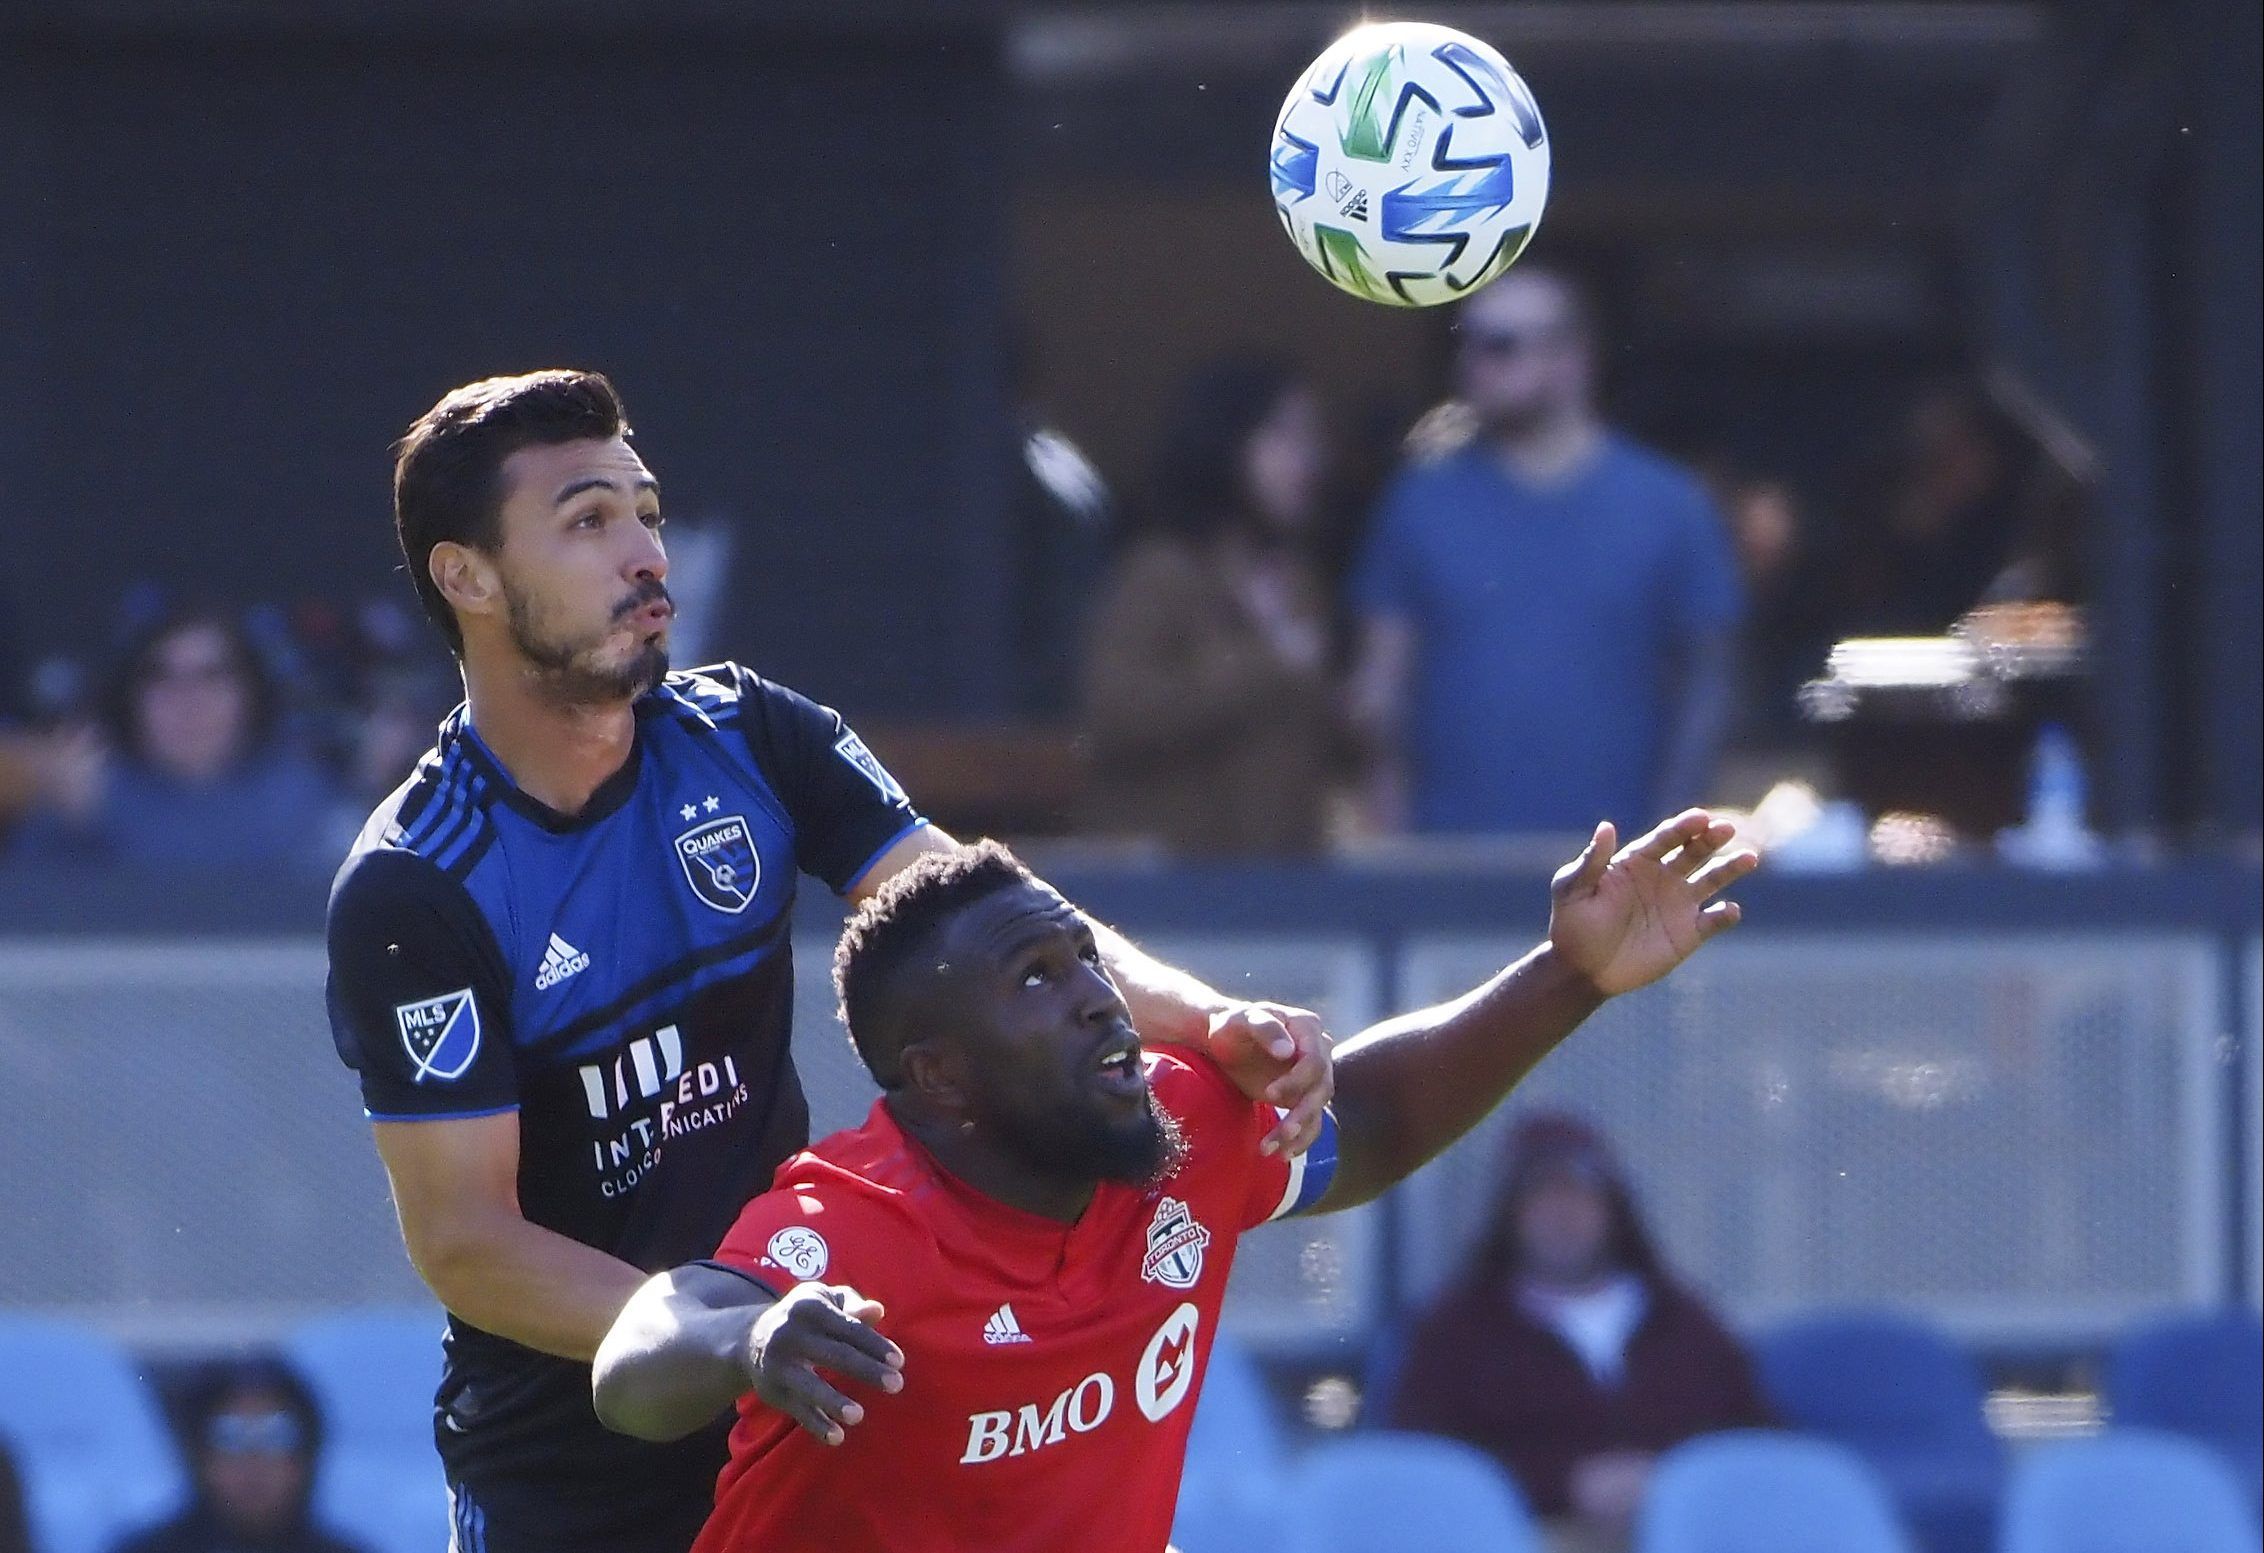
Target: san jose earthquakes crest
[[720, 863], [441, 1035]]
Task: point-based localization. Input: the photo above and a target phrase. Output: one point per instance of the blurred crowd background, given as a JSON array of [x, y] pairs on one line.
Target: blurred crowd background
[[1868, 445]]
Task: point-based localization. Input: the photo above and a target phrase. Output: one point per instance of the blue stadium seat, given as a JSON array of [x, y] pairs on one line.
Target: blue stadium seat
[[1229, 1495], [1899, 1394], [1227, 1510], [1404, 1493], [374, 1372], [1750, 1491], [2199, 1374], [1235, 1423], [90, 1445], [2127, 1491]]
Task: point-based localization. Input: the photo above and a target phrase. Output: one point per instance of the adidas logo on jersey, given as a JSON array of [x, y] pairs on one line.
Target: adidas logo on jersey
[[1004, 1328], [559, 961]]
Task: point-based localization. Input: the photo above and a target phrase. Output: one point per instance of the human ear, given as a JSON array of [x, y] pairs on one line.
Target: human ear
[[466, 578], [933, 1071]]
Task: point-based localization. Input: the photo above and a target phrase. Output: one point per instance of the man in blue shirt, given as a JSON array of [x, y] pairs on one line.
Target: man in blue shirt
[[1548, 611], [559, 955]]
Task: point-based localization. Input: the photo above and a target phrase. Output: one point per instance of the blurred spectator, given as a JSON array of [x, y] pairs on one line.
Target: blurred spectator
[[1980, 501], [15, 1523], [185, 762], [1210, 688], [1566, 1349], [1548, 611], [254, 1436], [1787, 629]]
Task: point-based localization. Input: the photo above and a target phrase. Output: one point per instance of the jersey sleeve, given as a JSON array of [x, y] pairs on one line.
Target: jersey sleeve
[[803, 1233], [1223, 1130], [417, 993], [847, 810]]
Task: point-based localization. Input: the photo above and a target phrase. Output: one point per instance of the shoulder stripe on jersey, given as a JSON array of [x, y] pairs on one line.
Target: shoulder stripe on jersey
[[422, 792], [447, 854], [463, 814], [1309, 1173], [709, 689], [439, 808]]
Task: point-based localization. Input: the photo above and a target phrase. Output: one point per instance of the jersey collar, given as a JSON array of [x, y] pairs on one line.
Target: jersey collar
[[611, 793]]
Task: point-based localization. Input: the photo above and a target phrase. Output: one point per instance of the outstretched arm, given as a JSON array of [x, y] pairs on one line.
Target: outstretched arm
[[693, 1340], [1410, 1086]]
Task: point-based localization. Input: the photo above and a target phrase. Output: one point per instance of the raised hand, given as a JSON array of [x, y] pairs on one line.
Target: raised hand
[[1280, 1055], [820, 1326], [1624, 918]]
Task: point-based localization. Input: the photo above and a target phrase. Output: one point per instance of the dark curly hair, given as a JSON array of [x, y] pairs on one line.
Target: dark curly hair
[[888, 932]]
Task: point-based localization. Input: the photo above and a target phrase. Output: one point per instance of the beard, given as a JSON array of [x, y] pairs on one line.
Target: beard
[[1085, 1148], [569, 669]]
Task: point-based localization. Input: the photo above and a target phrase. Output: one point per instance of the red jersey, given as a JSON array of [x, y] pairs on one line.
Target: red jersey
[[1050, 1369]]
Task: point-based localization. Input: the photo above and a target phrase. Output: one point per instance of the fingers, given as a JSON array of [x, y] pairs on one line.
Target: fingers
[[1683, 829], [851, 1363], [1263, 1025], [806, 1397], [824, 1327], [1585, 872], [1694, 854], [845, 1317], [1723, 872], [1718, 918], [1305, 1089]]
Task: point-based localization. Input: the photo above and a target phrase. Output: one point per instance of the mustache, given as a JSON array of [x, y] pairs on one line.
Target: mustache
[[653, 592]]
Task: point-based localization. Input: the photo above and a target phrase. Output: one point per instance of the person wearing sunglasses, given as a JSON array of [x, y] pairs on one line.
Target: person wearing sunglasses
[[253, 1435], [1547, 610]]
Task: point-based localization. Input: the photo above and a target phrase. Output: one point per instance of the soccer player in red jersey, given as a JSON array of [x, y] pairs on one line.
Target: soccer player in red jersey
[[980, 1320]]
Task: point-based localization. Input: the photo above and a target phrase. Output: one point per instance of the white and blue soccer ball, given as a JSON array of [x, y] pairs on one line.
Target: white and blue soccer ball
[[1410, 164]]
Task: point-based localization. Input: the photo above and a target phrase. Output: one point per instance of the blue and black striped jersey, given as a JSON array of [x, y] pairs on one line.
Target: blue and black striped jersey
[[621, 979]]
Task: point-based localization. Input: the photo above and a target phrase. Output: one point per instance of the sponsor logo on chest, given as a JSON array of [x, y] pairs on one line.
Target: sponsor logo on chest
[[1161, 1380]]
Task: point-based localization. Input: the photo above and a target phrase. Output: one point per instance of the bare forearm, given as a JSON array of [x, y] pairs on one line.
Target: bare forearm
[[1167, 1005], [529, 1284], [670, 1363], [1410, 1086]]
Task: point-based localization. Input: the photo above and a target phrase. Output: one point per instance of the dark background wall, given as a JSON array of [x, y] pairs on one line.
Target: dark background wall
[[231, 270]]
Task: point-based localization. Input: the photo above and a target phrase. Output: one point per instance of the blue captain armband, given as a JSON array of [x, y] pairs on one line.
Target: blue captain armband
[[1310, 1173]]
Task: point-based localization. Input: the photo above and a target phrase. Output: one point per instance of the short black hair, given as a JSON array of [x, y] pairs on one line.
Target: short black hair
[[448, 467], [887, 933]]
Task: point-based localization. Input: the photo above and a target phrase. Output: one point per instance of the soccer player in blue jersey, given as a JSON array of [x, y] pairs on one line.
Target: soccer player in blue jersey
[[559, 955]]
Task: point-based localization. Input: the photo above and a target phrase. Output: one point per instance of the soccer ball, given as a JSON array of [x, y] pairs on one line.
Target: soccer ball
[[1410, 164]]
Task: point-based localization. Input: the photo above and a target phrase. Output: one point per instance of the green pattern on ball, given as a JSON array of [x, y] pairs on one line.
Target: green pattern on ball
[[1344, 261], [1506, 253], [1365, 133]]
